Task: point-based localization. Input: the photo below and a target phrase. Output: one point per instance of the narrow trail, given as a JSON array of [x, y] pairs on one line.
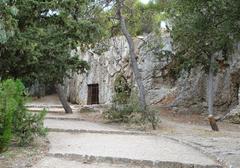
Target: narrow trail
[[82, 144]]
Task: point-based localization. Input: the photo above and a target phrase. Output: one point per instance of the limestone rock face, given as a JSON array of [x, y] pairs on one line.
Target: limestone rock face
[[106, 66], [192, 88], [189, 90]]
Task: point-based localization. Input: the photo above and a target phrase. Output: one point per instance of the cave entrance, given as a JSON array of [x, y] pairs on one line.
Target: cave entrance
[[93, 94]]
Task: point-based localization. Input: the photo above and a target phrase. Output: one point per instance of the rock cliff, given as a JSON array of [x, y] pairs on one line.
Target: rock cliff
[[189, 90]]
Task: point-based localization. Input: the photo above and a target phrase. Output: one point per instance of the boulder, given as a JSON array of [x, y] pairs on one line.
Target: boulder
[[234, 115]]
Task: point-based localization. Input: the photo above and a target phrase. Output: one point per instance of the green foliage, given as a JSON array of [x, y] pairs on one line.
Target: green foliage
[[7, 21], [153, 118], [102, 47], [45, 33], [140, 18], [14, 118], [128, 110], [126, 106], [144, 18], [25, 124], [123, 110], [28, 125], [125, 101], [202, 28], [122, 90], [8, 106]]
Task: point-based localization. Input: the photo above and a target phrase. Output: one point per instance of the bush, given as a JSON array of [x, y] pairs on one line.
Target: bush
[[130, 112], [14, 117], [8, 105], [28, 125], [122, 111], [126, 105]]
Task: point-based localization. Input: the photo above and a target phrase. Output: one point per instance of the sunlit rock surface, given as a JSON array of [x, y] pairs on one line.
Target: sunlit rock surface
[[192, 87], [113, 61]]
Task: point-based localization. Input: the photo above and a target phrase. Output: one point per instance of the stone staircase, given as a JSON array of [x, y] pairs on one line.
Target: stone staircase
[[82, 144]]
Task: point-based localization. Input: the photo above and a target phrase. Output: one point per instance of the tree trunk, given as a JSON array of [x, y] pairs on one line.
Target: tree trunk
[[211, 118], [133, 56], [63, 98]]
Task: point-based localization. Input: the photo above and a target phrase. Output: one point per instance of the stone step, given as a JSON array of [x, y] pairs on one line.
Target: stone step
[[74, 124], [59, 125], [110, 162], [62, 117], [54, 162], [52, 109], [98, 132], [141, 149], [43, 106], [49, 110], [74, 106]]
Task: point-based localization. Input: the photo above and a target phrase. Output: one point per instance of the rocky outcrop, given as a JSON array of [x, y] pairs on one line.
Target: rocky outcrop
[[192, 88], [191, 92], [114, 61], [234, 115]]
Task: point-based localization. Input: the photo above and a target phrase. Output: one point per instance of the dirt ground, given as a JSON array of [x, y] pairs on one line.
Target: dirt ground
[[190, 129], [193, 130], [23, 157], [167, 115]]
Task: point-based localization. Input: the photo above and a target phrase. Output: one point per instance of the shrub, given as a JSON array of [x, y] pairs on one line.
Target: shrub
[[122, 111], [14, 117], [28, 125], [126, 105], [130, 112], [122, 89], [8, 105]]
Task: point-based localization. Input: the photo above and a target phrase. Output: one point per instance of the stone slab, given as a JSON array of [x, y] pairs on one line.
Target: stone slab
[[51, 162], [151, 148], [77, 125]]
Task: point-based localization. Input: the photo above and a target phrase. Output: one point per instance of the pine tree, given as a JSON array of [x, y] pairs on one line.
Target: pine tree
[[45, 33]]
